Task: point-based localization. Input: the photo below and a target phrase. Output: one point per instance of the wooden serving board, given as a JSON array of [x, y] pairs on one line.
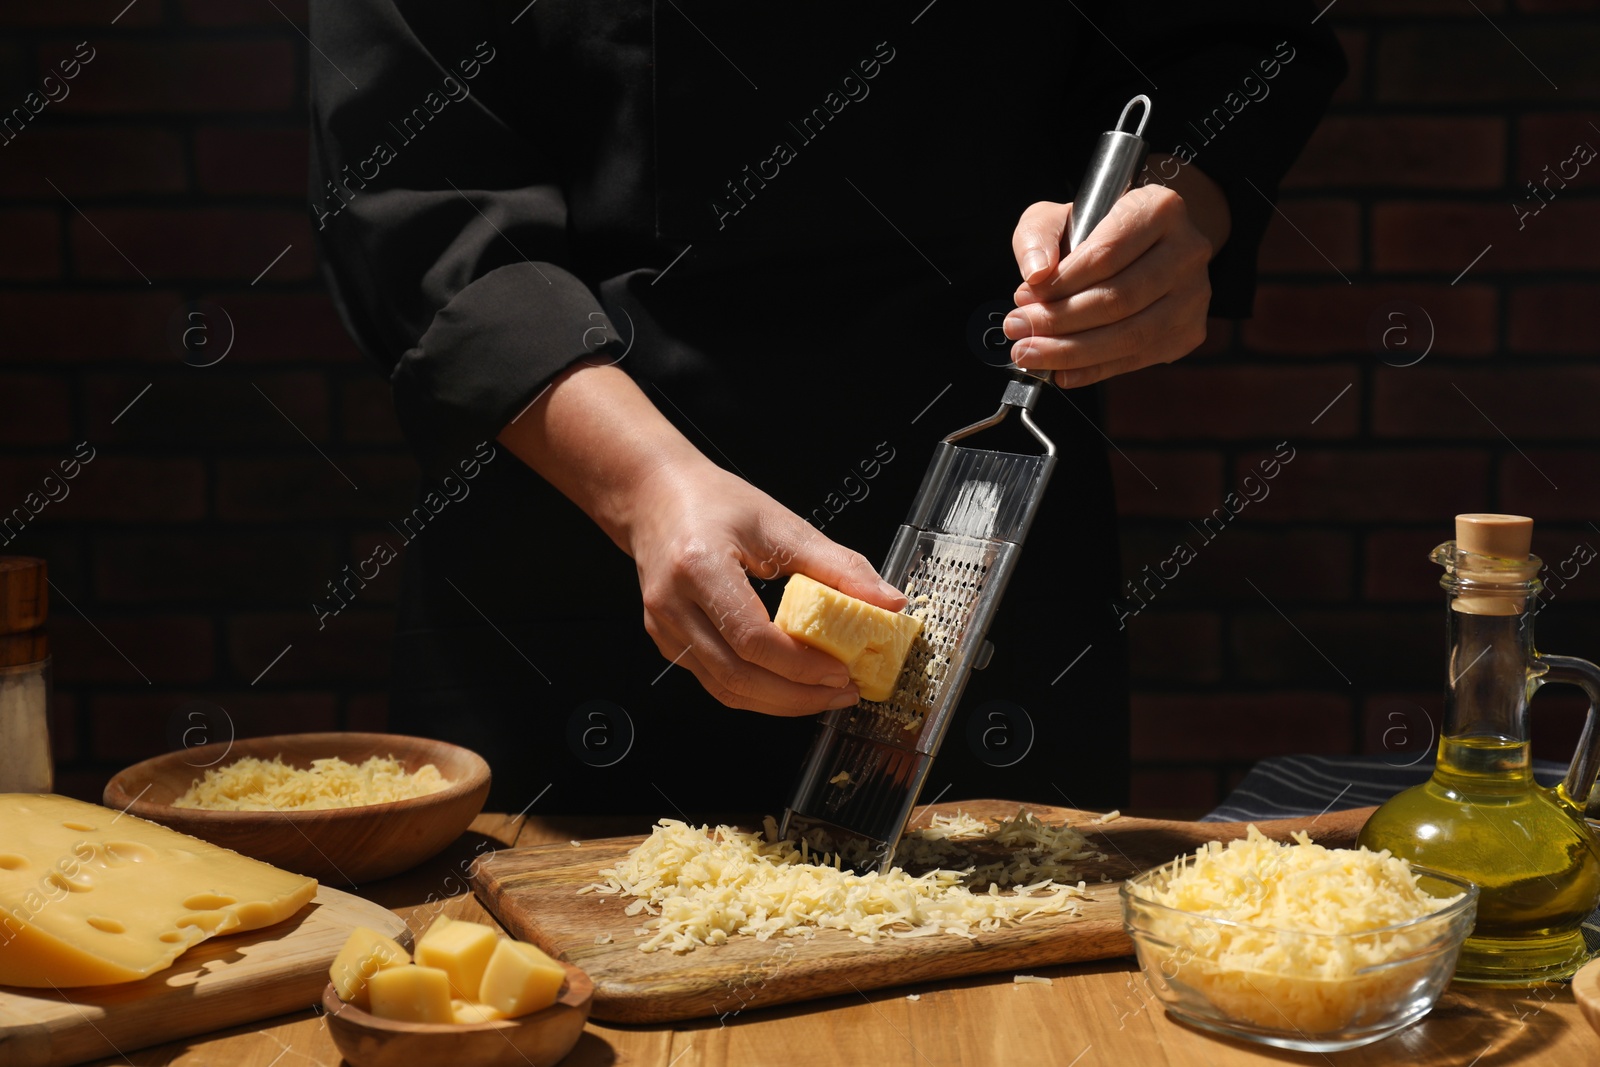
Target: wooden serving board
[[222, 981], [534, 894]]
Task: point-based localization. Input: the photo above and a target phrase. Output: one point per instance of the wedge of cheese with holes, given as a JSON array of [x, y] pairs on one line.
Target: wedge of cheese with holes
[[91, 896], [872, 642]]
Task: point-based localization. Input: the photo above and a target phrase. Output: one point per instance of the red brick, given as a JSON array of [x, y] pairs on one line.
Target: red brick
[[1403, 728], [90, 163], [162, 648], [131, 728], [234, 160], [1548, 141], [237, 243], [1355, 43], [353, 647], [1173, 793], [1170, 647], [383, 581], [189, 404], [82, 327], [95, 14], [310, 488], [1473, 62], [32, 246], [1549, 484], [1397, 565], [1375, 485], [1531, 402], [1231, 402], [114, 487], [1394, 150], [1320, 561], [1449, 236], [1555, 318], [229, 568], [367, 412], [1239, 726], [1390, 647], [186, 77], [285, 327], [367, 713], [1316, 320], [1306, 231], [1166, 483], [34, 409], [1567, 577], [234, 13]]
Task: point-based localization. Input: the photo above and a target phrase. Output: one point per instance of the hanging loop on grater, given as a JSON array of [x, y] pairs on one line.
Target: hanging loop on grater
[[952, 557]]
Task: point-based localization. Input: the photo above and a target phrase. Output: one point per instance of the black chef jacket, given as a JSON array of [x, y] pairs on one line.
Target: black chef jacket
[[791, 224]]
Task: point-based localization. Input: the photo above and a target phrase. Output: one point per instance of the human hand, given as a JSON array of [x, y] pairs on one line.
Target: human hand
[[695, 533], [1135, 292]]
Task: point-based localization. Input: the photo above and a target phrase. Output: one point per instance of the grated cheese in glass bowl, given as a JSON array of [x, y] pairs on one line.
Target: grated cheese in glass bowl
[[1294, 944]]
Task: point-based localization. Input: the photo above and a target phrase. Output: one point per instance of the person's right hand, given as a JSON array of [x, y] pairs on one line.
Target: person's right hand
[[695, 531]]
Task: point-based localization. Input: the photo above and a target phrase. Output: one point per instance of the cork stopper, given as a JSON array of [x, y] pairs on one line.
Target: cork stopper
[[24, 605], [1505, 537]]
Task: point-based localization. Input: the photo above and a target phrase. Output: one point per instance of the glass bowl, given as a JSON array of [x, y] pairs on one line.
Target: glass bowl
[[1304, 991]]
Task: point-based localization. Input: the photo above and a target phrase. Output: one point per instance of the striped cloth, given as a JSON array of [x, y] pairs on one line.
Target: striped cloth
[[1283, 787]]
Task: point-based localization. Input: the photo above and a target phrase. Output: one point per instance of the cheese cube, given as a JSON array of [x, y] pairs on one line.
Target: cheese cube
[[521, 979], [871, 642], [365, 953], [461, 950], [91, 896], [411, 995], [467, 1011]]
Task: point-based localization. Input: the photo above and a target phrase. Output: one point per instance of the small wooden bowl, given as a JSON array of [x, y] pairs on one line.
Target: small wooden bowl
[[535, 1040], [1586, 991], [334, 846]]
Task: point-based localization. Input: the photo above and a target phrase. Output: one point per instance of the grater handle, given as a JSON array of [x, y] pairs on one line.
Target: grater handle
[[1118, 156]]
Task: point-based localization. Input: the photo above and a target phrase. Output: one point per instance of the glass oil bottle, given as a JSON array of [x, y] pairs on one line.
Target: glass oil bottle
[[1481, 815]]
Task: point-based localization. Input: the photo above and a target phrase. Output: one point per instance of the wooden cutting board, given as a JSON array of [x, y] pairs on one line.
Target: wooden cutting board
[[534, 894], [223, 981]]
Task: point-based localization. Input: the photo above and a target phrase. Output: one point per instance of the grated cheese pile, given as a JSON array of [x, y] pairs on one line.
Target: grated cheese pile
[[271, 785], [1321, 922], [699, 886]]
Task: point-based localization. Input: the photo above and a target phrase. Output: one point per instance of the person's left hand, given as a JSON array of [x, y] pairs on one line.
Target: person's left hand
[[1135, 292]]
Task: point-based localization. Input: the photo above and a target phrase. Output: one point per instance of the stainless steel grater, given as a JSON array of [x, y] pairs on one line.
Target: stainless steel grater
[[952, 557]]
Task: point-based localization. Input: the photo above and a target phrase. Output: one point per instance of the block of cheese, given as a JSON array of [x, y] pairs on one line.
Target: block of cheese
[[91, 896], [461, 950], [520, 979], [365, 953], [467, 1012], [872, 642], [412, 995]]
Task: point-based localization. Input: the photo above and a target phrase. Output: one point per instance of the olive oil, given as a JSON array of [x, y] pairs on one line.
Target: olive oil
[[1537, 867], [1481, 816]]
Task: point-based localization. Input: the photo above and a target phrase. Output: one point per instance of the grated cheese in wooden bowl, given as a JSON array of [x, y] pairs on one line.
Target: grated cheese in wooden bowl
[[700, 886], [251, 784]]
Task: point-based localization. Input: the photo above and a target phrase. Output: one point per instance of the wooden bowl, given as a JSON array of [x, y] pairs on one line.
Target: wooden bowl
[[535, 1040], [1586, 991], [335, 846]]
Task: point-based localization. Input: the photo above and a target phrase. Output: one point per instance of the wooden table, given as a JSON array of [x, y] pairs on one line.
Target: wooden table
[[1096, 1015]]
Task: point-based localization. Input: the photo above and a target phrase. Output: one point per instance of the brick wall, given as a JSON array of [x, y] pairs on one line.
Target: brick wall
[[171, 170], [1312, 621]]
